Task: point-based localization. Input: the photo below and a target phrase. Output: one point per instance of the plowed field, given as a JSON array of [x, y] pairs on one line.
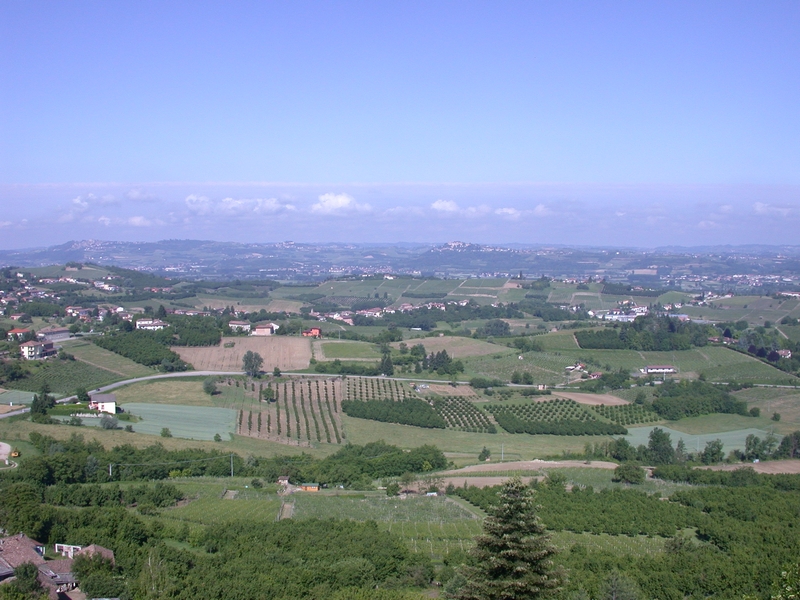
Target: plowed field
[[286, 353]]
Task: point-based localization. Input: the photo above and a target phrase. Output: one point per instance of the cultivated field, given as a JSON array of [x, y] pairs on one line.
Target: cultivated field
[[101, 358], [457, 347], [771, 467], [165, 391], [306, 412], [590, 399], [731, 440], [189, 422], [329, 350], [286, 353]]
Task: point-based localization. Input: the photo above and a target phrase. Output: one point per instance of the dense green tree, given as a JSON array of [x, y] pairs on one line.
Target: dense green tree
[[252, 363], [659, 447], [619, 586], [629, 473], [210, 386], [513, 557], [712, 453]]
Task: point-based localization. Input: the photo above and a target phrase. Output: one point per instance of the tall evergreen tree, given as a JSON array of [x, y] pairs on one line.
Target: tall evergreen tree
[[512, 559]]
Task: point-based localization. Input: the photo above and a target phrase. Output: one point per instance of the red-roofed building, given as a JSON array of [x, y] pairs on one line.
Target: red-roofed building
[[17, 334]]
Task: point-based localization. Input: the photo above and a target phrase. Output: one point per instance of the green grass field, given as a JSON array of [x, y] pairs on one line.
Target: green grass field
[[696, 442], [717, 363], [95, 355], [209, 508], [189, 422], [333, 350], [63, 377], [512, 446]]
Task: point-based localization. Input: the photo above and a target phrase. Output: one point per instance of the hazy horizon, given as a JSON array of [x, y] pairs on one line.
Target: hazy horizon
[[595, 124]]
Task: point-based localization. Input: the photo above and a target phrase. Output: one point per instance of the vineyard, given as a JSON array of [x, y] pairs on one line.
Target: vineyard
[[628, 414], [364, 388], [556, 417], [451, 412], [300, 412]]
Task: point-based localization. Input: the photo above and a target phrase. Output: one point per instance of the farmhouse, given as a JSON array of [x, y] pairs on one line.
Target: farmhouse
[[17, 334], [151, 324], [239, 325], [55, 575], [36, 350], [312, 332], [267, 329], [53, 334], [283, 480], [785, 353], [658, 369], [106, 403], [309, 487]]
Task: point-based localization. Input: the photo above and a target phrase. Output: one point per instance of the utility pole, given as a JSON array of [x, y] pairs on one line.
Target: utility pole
[[110, 465], [231, 464]]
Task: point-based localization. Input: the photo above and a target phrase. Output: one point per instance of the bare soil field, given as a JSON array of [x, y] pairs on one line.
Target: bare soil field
[[530, 465], [457, 347], [771, 467], [485, 481], [287, 353], [448, 390], [4, 408], [592, 399]]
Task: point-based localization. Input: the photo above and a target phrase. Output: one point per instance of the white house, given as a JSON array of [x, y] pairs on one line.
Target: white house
[[658, 370], [268, 329], [239, 325], [106, 403], [151, 324]]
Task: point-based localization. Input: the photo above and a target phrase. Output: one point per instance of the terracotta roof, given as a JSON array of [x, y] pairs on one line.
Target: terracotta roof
[[18, 549]]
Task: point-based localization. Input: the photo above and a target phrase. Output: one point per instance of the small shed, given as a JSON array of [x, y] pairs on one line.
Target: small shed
[[309, 487]]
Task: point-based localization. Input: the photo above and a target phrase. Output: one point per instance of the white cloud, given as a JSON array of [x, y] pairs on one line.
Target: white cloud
[[198, 204], [509, 213], [768, 210], [5, 224], [79, 204], [542, 211], [338, 203], [266, 206], [707, 225], [445, 206], [104, 221], [139, 195], [725, 208], [139, 222]]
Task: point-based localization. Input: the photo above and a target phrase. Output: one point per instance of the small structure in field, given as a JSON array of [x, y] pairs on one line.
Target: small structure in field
[[106, 403], [658, 370], [314, 332], [309, 487], [240, 325]]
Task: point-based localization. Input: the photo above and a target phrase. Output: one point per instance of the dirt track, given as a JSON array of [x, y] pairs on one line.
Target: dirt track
[[287, 353], [772, 467], [530, 465]]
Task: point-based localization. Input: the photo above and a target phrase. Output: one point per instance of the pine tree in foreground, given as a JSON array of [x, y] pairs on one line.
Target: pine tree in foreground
[[512, 559]]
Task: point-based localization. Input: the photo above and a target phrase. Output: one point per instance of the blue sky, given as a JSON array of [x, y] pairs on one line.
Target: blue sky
[[630, 123]]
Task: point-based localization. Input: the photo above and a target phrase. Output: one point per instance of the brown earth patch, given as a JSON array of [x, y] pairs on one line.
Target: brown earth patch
[[592, 399], [771, 467], [286, 353], [449, 390]]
